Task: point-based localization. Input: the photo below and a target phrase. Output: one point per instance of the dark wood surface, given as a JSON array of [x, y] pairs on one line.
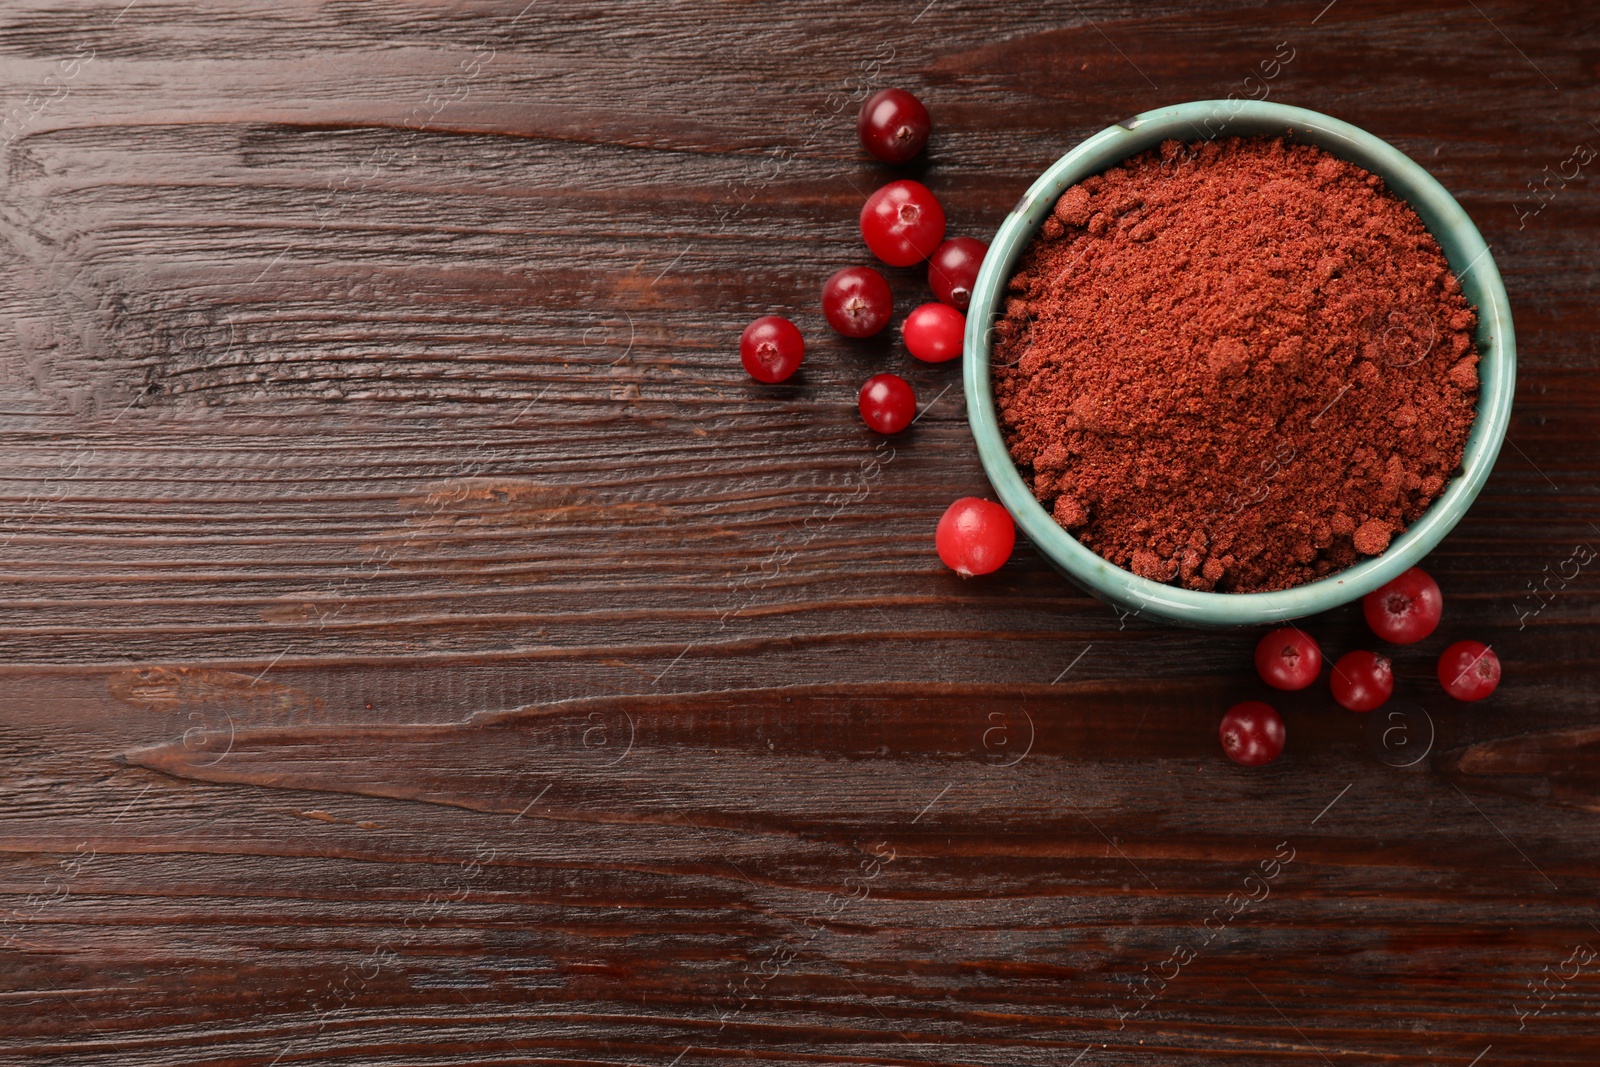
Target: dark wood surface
[[423, 644]]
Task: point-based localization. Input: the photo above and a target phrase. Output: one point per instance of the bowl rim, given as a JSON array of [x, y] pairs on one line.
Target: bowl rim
[[1465, 250]]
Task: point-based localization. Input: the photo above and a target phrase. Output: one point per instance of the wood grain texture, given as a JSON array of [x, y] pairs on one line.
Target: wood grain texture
[[421, 643]]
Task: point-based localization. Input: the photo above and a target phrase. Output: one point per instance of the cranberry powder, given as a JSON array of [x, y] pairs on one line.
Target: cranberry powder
[[1236, 365]]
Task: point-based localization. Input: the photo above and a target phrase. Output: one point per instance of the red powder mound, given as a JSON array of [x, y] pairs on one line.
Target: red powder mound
[[1235, 365]]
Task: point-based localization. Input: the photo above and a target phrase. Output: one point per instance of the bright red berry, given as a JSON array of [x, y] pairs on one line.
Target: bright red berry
[[893, 125], [887, 403], [934, 332], [1362, 681], [1406, 610], [771, 348], [857, 302], [1469, 670], [902, 223], [953, 270], [1288, 659], [1252, 733], [975, 536]]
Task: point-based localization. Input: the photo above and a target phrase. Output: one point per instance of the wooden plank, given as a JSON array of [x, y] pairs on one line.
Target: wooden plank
[[422, 643]]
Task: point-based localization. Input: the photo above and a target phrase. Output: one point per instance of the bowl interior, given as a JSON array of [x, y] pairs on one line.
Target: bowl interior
[[1464, 249]]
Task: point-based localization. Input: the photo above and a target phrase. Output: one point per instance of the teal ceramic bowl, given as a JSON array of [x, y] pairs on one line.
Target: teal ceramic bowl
[[1463, 246]]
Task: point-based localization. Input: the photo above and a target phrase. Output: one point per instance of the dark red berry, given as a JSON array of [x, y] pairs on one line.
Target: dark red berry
[[1361, 681], [953, 270], [902, 223], [934, 332], [1252, 733], [887, 403], [975, 536], [893, 125], [1469, 670], [1288, 659], [771, 348], [1406, 610], [857, 302]]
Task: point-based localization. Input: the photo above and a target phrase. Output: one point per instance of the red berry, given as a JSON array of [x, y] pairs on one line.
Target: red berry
[[1406, 610], [1362, 681], [953, 270], [934, 332], [1469, 670], [887, 403], [771, 348], [856, 301], [893, 125], [1252, 733], [1288, 659], [975, 536], [902, 223]]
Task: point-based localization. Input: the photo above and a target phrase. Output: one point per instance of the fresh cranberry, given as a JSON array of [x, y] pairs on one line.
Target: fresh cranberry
[[953, 270], [1288, 659], [857, 302], [893, 125], [902, 223], [975, 536], [887, 403], [1362, 681], [1252, 733], [771, 348], [1406, 610], [1469, 670], [934, 332]]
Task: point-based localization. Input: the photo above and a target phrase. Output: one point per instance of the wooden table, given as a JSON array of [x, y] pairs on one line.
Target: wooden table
[[424, 644]]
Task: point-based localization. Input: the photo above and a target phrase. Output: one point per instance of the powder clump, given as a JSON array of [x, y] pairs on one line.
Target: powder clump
[[1237, 365]]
